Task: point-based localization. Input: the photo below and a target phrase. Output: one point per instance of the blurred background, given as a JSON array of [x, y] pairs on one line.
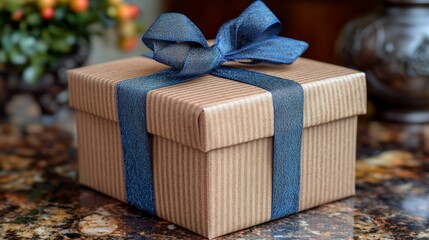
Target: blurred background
[[41, 39]]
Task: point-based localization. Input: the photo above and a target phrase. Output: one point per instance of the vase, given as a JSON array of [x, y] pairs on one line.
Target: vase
[[391, 45], [50, 91]]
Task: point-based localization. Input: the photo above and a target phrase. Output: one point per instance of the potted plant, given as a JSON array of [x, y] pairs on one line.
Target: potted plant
[[41, 39]]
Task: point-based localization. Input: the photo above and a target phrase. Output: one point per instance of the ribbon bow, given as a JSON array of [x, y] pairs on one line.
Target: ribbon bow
[[177, 42]]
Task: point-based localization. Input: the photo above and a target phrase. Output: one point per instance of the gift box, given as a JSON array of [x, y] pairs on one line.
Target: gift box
[[212, 140], [214, 145]]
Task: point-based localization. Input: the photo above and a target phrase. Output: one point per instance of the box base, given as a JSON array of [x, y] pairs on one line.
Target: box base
[[226, 189]]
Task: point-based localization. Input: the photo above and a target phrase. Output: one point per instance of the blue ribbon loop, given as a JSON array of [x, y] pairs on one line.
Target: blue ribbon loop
[[178, 43]]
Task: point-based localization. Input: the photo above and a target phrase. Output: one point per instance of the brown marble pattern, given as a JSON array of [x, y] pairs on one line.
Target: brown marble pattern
[[40, 198]]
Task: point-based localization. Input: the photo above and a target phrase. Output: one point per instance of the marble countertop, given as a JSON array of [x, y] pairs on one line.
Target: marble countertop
[[40, 198]]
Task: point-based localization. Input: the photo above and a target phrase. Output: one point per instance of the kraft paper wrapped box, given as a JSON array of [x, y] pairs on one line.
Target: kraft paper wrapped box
[[211, 154], [212, 140]]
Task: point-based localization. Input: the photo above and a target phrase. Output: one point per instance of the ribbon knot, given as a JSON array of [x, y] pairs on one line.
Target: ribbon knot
[[200, 61], [177, 42]]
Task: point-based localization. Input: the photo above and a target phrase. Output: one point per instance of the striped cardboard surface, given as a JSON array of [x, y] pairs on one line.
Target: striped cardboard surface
[[209, 112], [223, 190], [212, 140]]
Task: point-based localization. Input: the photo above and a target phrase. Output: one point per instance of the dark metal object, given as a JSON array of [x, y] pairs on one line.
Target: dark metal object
[[392, 46], [50, 92]]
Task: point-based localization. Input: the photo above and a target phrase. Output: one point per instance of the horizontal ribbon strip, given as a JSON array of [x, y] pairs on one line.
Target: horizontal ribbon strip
[[177, 42]]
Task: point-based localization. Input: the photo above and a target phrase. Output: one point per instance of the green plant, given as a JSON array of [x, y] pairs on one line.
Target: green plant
[[35, 34]]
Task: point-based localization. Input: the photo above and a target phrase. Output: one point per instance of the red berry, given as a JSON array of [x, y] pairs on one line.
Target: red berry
[[79, 6], [17, 15], [129, 44], [134, 10], [127, 11], [47, 13]]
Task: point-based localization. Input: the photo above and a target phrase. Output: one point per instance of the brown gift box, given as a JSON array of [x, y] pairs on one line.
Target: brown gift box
[[212, 140]]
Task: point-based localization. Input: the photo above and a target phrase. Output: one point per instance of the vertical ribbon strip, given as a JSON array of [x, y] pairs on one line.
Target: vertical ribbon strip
[[131, 104], [177, 42], [288, 103]]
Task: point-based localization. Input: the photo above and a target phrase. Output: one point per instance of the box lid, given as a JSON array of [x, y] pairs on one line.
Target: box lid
[[210, 112]]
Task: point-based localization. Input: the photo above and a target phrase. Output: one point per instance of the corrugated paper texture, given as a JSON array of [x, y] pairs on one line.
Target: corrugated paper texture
[[212, 141], [227, 189], [211, 112]]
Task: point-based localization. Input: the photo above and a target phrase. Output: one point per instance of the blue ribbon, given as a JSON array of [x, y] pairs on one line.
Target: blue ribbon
[[177, 42]]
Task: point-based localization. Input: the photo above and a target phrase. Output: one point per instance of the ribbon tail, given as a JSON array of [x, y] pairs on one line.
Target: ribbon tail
[[288, 102], [131, 106]]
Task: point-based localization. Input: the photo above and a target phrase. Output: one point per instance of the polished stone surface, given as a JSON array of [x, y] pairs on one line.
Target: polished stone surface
[[40, 198]]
